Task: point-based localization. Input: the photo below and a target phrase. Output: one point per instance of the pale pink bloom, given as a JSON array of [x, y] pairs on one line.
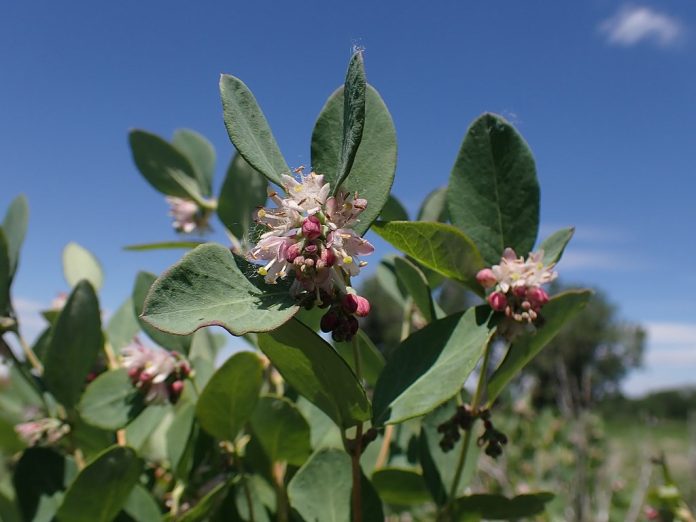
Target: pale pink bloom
[[45, 431], [536, 274], [152, 370], [308, 194], [186, 215], [510, 272], [348, 246], [486, 278], [343, 209]]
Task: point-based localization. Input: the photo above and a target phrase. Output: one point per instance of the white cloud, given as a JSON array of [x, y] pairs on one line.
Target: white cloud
[[662, 333], [635, 24]]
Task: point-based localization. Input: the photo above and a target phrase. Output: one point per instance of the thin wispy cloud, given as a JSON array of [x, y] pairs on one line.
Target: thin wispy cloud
[[635, 24]]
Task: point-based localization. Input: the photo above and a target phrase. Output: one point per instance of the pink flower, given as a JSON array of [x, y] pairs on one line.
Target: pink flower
[[498, 301], [486, 278], [46, 431], [154, 371], [187, 216], [311, 227]]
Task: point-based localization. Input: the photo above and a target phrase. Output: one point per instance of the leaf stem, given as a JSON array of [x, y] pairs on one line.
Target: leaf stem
[[29, 354], [357, 447]]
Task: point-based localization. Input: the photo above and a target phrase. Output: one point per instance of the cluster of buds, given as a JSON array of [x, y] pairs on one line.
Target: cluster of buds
[[492, 438], [309, 234], [159, 374], [44, 432], [515, 285], [187, 216], [462, 419]]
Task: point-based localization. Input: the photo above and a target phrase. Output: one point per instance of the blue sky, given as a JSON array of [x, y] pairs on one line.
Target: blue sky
[[602, 91]]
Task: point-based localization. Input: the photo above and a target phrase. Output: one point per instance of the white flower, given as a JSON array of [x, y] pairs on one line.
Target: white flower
[[306, 195], [153, 370]]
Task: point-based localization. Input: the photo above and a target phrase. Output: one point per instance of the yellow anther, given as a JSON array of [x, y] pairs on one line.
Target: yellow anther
[[261, 213], [347, 260], [298, 188], [262, 271]]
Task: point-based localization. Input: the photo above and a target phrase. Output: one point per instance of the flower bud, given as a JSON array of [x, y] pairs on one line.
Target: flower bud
[[311, 227], [292, 252], [498, 301], [363, 308], [350, 303], [486, 278], [329, 321], [177, 387], [310, 250], [537, 296]]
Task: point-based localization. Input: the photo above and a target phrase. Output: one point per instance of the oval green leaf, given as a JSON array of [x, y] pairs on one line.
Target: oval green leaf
[[229, 398], [79, 263], [498, 507], [371, 359], [321, 489], [110, 401], [400, 486], [493, 193], [207, 287], [393, 210], [75, 344], [164, 166], [14, 225], [434, 207], [201, 154], [317, 371], [102, 488], [556, 312], [438, 246], [372, 173], [431, 365], [123, 326], [143, 284], [554, 245], [249, 131], [281, 430], [416, 284]]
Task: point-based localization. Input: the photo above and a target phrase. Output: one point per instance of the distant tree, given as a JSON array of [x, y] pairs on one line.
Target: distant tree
[[589, 358]]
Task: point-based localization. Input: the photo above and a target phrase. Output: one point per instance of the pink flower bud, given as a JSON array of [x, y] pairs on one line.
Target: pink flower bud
[[363, 307], [537, 296], [310, 250], [328, 256], [520, 291], [486, 278], [498, 301], [311, 227], [292, 252]]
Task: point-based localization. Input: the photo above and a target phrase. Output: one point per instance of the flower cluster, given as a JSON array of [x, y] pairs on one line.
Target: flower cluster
[[157, 373], [515, 285], [309, 234], [187, 216], [46, 431]]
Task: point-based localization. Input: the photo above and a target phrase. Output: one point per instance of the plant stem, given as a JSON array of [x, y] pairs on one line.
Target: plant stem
[[357, 448], [478, 395], [29, 354], [384, 448]]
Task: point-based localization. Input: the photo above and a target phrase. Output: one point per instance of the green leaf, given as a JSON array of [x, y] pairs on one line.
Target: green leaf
[[372, 173], [123, 326], [201, 154], [400, 487], [431, 365], [140, 505], [498, 507], [371, 504], [180, 436], [353, 116], [437, 246], [316, 371], [321, 489], [164, 167], [163, 245], [79, 263], [15, 228], [143, 284], [371, 359], [110, 401], [40, 472], [5, 276], [101, 488], [554, 245], [261, 495], [207, 505], [207, 287], [76, 342], [386, 277], [281, 430], [415, 282], [249, 130], [493, 193], [393, 210], [229, 398], [434, 207], [243, 191], [556, 312], [140, 428]]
